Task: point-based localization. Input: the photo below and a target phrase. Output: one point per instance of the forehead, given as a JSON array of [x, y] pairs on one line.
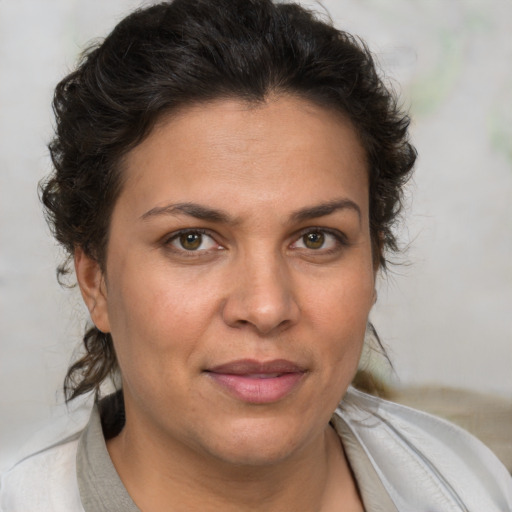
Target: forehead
[[283, 149]]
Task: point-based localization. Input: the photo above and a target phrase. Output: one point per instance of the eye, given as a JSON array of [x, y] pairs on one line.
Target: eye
[[193, 241], [319, 239], [313, 240]]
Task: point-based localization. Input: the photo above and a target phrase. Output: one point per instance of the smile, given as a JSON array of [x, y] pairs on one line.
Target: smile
[[257, 382]]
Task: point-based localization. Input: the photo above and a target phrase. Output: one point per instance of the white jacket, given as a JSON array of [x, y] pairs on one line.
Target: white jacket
[[421, 463]]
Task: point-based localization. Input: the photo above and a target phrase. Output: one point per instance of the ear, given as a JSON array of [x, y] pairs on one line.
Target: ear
[[91, 281]]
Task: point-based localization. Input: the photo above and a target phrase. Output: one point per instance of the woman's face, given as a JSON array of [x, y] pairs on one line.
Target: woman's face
[[239, 277]]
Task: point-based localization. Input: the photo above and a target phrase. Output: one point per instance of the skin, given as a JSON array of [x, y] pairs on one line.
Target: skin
[[257, 287]]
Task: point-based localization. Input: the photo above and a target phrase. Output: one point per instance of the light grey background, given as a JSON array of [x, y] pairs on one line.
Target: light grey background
[[445, 315]]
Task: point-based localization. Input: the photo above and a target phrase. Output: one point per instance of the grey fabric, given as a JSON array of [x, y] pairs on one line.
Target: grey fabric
[[373, 493], [101, 489]]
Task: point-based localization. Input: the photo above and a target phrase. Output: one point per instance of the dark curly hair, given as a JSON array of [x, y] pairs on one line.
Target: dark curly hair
[[180, 52]]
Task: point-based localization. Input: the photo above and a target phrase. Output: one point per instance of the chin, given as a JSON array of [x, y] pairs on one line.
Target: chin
[[254, 444], [255, 455]]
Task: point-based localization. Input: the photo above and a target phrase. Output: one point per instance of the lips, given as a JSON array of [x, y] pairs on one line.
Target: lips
[[257, 382]]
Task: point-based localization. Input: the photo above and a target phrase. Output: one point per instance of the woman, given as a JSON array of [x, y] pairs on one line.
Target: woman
[[227, 175]]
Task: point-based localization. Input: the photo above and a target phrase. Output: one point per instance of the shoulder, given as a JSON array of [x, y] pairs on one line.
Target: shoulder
[[43, 481], [422, 459]]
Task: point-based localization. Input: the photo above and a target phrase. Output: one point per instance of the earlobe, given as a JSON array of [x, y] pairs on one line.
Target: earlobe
[[91, 281]]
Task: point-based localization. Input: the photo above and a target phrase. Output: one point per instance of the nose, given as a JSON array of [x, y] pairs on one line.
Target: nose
[[261, 296]]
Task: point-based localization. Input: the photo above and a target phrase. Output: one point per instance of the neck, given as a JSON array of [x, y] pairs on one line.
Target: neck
[[160, 474]]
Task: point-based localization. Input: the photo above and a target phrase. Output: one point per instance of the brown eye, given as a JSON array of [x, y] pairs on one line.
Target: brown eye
[[322, 241], [314, 240], [193, 241], [190, 241]]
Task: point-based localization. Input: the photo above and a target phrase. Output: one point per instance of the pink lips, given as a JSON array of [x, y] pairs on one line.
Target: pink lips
[[258, 382]]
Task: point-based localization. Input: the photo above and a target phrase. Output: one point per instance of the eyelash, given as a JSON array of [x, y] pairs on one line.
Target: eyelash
[[340, 239]]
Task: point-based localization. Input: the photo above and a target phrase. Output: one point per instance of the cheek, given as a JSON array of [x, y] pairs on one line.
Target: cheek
[[339, 317], [343, 304], [154, 313], [153, 340]]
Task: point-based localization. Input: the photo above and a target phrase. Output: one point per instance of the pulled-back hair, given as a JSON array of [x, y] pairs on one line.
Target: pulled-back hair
[[177, 53]]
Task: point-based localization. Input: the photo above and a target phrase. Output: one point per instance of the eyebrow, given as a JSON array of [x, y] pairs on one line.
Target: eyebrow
[[192, 209], [213, 215], [327, 208]]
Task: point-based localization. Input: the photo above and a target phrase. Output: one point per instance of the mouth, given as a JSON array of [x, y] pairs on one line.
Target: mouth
[[257, 382]]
